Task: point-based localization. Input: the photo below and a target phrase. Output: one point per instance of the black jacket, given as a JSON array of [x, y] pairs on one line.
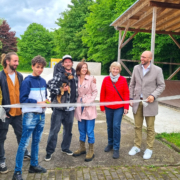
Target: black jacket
[[58, 68], [5, 90]]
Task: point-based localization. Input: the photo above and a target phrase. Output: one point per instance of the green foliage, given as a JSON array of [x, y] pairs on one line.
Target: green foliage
[[0, 44], [1, 20], [36, 40], [171, 137], [100, 37], [68, 38]]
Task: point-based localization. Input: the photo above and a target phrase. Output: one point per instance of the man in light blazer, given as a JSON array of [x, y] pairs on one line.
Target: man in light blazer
[[147, 83]]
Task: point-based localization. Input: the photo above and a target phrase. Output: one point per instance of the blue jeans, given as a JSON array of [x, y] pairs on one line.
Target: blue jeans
[[86, 127], [114, 118], [33, 124]]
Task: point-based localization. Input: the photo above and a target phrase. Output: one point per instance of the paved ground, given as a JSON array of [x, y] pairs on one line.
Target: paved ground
[[105, 173], [103, 166], [167, 120]]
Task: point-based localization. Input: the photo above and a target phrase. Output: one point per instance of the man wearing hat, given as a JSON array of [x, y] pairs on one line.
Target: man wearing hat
[[64, 115]]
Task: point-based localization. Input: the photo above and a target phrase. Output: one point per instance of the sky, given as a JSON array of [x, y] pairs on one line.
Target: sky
[[21, 13]]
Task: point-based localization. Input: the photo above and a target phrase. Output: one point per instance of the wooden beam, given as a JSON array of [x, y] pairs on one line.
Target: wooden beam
[[166, 20], [126, 68], [173, 74], [124, 35], [164, 5], [175, 41], [168, 26], [130, 14], [176, 28], [148, 31], [161, 15], [142, 17], [153, 33], [128, 39], [175, 24], [134, 17], [159, 12], [148, 21], [119, 49], [138, 61]]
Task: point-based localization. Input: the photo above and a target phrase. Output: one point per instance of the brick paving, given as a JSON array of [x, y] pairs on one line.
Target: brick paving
[[104, 173]]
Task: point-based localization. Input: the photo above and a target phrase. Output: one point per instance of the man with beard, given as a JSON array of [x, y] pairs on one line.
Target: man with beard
[[64, 115], [147, 83], [10, 82]]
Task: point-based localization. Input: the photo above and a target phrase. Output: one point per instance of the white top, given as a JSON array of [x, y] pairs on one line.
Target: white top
[[12, 76], [145, 70]]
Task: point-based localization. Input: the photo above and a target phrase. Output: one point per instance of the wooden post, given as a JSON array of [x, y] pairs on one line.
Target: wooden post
[[119, 49], [175, 41], [119, 53], [128, 40], [124, 35], [173, 74], [153, 32]]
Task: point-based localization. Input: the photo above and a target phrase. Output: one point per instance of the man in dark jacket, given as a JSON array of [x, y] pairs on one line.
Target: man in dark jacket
[[10, 82], [64, 115]]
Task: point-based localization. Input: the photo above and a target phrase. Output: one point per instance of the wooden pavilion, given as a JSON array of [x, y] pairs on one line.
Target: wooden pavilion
[[149, 16]]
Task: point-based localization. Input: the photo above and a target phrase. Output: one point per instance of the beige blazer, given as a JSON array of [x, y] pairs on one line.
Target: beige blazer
[[152, 83]]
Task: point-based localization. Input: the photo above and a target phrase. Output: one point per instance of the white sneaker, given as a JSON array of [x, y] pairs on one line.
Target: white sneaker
[[134, 150], [147, 154]]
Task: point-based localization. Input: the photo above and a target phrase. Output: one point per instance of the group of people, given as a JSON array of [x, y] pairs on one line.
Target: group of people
[[147, 83]]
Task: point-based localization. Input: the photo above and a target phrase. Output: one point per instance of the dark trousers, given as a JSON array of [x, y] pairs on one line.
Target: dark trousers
[[16, 122], [114, 118], [58, 117]]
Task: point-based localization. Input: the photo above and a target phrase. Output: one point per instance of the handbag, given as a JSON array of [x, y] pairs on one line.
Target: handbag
[[117, 91]]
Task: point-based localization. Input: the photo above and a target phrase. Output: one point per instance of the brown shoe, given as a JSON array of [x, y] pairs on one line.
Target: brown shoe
[[90, 154], [81, 150]]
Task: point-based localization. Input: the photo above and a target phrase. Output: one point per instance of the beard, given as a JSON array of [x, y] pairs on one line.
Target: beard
[[13, 68], [68, 68]]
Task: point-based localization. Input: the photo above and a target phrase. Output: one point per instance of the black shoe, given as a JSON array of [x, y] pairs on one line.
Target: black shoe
[[3, 168], [17, 176], [108, 148], [48, 157], [27, 156], [68, 152], [116, 154], [37, 169]]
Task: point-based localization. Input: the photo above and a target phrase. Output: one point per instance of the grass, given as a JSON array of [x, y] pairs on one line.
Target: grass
[[172, 138]]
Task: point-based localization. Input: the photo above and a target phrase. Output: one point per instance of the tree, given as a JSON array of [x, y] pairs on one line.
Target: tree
[[100, 37], [36, 40], [1, 21], [69, 35], [7, 38]]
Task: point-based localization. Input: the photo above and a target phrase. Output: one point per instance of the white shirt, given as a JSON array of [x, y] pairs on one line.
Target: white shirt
[[12, 76], [144, 72]]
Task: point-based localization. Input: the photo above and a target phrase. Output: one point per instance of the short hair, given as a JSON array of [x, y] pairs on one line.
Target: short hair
[[38, 60], [5, 57], [79, 67], [115, 64]]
